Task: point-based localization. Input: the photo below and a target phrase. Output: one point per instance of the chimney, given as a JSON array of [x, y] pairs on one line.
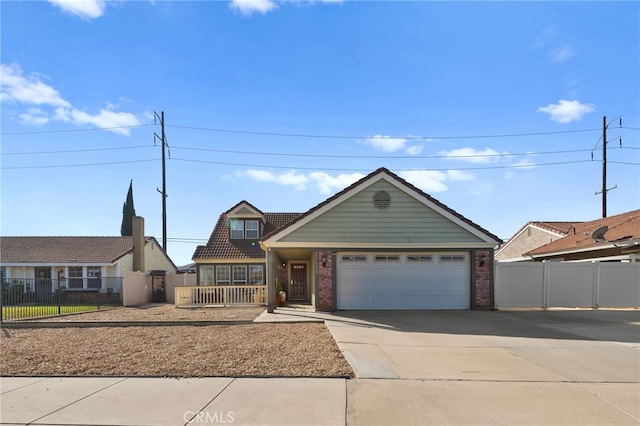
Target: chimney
[[138, 243]]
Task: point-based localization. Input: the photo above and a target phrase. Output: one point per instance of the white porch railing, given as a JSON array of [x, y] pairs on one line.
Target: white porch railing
[[221, 295]]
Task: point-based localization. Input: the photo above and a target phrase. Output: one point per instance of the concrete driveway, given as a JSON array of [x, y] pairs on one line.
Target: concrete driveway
[[491, 367]]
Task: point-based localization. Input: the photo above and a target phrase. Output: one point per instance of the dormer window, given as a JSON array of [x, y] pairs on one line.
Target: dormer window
[[244, 229], [252, 229]]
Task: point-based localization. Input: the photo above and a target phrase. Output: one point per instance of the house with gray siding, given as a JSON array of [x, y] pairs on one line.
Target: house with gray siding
[[380, 244]]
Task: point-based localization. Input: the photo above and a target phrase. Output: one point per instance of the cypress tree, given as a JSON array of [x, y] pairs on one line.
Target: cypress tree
[[128, 212]]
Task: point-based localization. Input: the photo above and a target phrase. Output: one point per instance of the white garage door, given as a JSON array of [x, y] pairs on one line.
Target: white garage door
[[403, 281]]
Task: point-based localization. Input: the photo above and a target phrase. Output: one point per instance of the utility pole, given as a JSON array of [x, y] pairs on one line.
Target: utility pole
[[164, 177], [604, 166]]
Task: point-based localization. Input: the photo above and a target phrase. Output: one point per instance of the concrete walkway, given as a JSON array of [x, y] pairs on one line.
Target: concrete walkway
[[163, 401], [445, 368]]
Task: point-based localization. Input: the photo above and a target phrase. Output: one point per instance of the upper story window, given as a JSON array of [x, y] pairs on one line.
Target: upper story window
[[252, 229], [244, 229]]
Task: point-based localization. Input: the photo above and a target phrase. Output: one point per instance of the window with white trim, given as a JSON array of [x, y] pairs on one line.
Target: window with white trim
[[422, 258], [452, 258], [223, 275], [240, 229], [207, 275], [360, 258], [252, 229], [379, 258], [239, 275], [256, 275], [75, 276], [94, 276], [236, 229]]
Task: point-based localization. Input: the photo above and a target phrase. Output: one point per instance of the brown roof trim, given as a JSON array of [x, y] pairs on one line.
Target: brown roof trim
[[386, 171], [247, 203]]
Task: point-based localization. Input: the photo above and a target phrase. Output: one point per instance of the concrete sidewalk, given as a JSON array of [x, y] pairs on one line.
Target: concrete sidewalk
[[164, 401], [420, 368]]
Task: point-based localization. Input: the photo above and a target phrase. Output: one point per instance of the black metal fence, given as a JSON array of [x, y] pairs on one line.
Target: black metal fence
[[27, 298]]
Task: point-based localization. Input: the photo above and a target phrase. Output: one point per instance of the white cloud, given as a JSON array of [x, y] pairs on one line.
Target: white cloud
[[34, 116], [472, 155], [16, 88], [459, 175], [567, 111], [414, 150], [326, 183], [562, 53], [290, 178], [105, 119], [524, 164], [248, 7], [386, 143], [323, 182], [86, 9], [427, 180]]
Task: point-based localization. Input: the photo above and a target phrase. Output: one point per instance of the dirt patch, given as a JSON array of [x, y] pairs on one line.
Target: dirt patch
[[260, 350]]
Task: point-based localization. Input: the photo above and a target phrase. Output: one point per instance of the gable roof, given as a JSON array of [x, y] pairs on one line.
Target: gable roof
[[623, 229], [64, 250], [245, 209], [399, 182], [220, 247], [560, 228]]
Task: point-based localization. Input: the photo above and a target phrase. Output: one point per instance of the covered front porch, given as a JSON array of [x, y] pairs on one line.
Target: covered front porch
[[293, 271]]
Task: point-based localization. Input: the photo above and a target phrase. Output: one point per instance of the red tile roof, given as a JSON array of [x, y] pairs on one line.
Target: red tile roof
[[557, 227], [622, 227], [220, 247], [64, 250]]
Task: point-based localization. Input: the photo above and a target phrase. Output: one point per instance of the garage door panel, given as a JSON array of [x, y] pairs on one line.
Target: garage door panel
[[404, 285]]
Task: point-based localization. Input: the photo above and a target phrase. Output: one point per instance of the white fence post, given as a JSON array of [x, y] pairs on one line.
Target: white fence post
[[545, 285], [596, 285]]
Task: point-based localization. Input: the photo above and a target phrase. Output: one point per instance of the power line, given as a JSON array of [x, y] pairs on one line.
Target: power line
[[304, 135], [74, 150], [76, 165], [388, 157], [625, 163], [44, 132], [283, 154], [524, 166]]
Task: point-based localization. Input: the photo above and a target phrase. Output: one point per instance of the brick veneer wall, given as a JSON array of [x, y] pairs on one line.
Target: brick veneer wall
[[483, 276], [325, 281]]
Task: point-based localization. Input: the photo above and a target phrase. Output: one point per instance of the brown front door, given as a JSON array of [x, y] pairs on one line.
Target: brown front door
[[298, 281]]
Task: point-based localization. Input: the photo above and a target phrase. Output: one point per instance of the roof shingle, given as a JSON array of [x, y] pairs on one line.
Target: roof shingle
[[625, 226], [220, 247], [64, 250]]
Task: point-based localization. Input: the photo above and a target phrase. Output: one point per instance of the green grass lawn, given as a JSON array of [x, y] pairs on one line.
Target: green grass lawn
[[23, 312]]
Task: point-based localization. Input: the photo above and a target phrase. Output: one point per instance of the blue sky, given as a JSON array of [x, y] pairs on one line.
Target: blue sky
[[493, 108]]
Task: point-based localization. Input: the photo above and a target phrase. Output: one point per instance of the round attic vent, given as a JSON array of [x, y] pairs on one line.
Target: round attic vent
[[381, 199]]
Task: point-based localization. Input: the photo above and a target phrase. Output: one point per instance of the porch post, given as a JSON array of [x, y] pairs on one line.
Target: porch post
[[271, 283]]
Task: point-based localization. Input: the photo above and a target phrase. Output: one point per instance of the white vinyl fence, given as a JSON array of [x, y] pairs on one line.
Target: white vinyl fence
[[567, 284]]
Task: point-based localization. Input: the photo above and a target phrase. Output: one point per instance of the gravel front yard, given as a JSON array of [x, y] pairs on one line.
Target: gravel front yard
[[164, 312], [264, 350]]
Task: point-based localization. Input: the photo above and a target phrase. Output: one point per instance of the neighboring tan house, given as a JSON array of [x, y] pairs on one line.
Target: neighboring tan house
[[79, 263], [379, 244], [610, 239], [531, 236]]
